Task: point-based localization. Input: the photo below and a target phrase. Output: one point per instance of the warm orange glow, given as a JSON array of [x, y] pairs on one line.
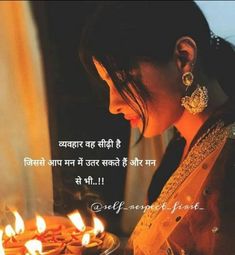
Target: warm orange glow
[[34, 247], [41, 224], [85, 239], [9, 231], [76, 219], [1, 247], [98, 226], [19, 223]]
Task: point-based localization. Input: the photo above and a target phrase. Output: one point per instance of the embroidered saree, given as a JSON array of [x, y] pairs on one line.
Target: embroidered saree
[[195, 211]]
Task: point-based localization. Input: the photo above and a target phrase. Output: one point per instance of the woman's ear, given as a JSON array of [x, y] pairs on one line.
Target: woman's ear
[[186, 54]]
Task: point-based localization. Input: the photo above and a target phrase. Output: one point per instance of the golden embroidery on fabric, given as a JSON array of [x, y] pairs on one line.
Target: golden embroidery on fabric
[[208, 142]]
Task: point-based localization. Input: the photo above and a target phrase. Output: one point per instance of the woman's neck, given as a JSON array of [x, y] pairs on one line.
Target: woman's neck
[[188, 125]]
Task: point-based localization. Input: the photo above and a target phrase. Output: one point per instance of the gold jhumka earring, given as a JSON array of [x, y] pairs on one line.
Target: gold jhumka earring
[[198, 100]]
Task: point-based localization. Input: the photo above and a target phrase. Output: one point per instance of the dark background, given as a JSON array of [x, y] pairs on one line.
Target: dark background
[[77, 111]]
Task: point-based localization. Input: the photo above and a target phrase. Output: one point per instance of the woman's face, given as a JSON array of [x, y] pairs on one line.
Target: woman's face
[[165, 89]]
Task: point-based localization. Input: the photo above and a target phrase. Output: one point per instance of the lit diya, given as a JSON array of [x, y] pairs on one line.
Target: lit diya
[[36, 247], [50, 228], [10, 233], [77, 231], [80, 229], [98, 228], [21, 234], [40, 237], [85, 247], [44, 234], [14, 239], [13, 251], [50, 233]]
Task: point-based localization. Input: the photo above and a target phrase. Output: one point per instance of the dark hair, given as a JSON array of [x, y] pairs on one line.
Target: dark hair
[[121, 34]]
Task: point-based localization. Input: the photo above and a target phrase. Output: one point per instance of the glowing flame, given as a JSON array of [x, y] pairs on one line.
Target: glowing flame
[[1, 247], [9, 231], [98, 226], [34, 247], [76, 219], [85, 239], [41, 224], [19, 223]]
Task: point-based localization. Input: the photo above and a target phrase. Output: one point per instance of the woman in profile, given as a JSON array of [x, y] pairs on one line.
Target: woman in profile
[[164, 67]]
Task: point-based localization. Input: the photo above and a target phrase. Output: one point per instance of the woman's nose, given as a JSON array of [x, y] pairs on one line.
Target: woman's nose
[[115, 102]]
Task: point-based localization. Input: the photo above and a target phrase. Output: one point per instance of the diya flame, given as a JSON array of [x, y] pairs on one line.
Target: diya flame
[[41, 224], [34, 247]]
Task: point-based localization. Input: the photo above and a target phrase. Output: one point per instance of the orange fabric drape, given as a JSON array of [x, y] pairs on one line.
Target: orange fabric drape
[[23, 114]]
